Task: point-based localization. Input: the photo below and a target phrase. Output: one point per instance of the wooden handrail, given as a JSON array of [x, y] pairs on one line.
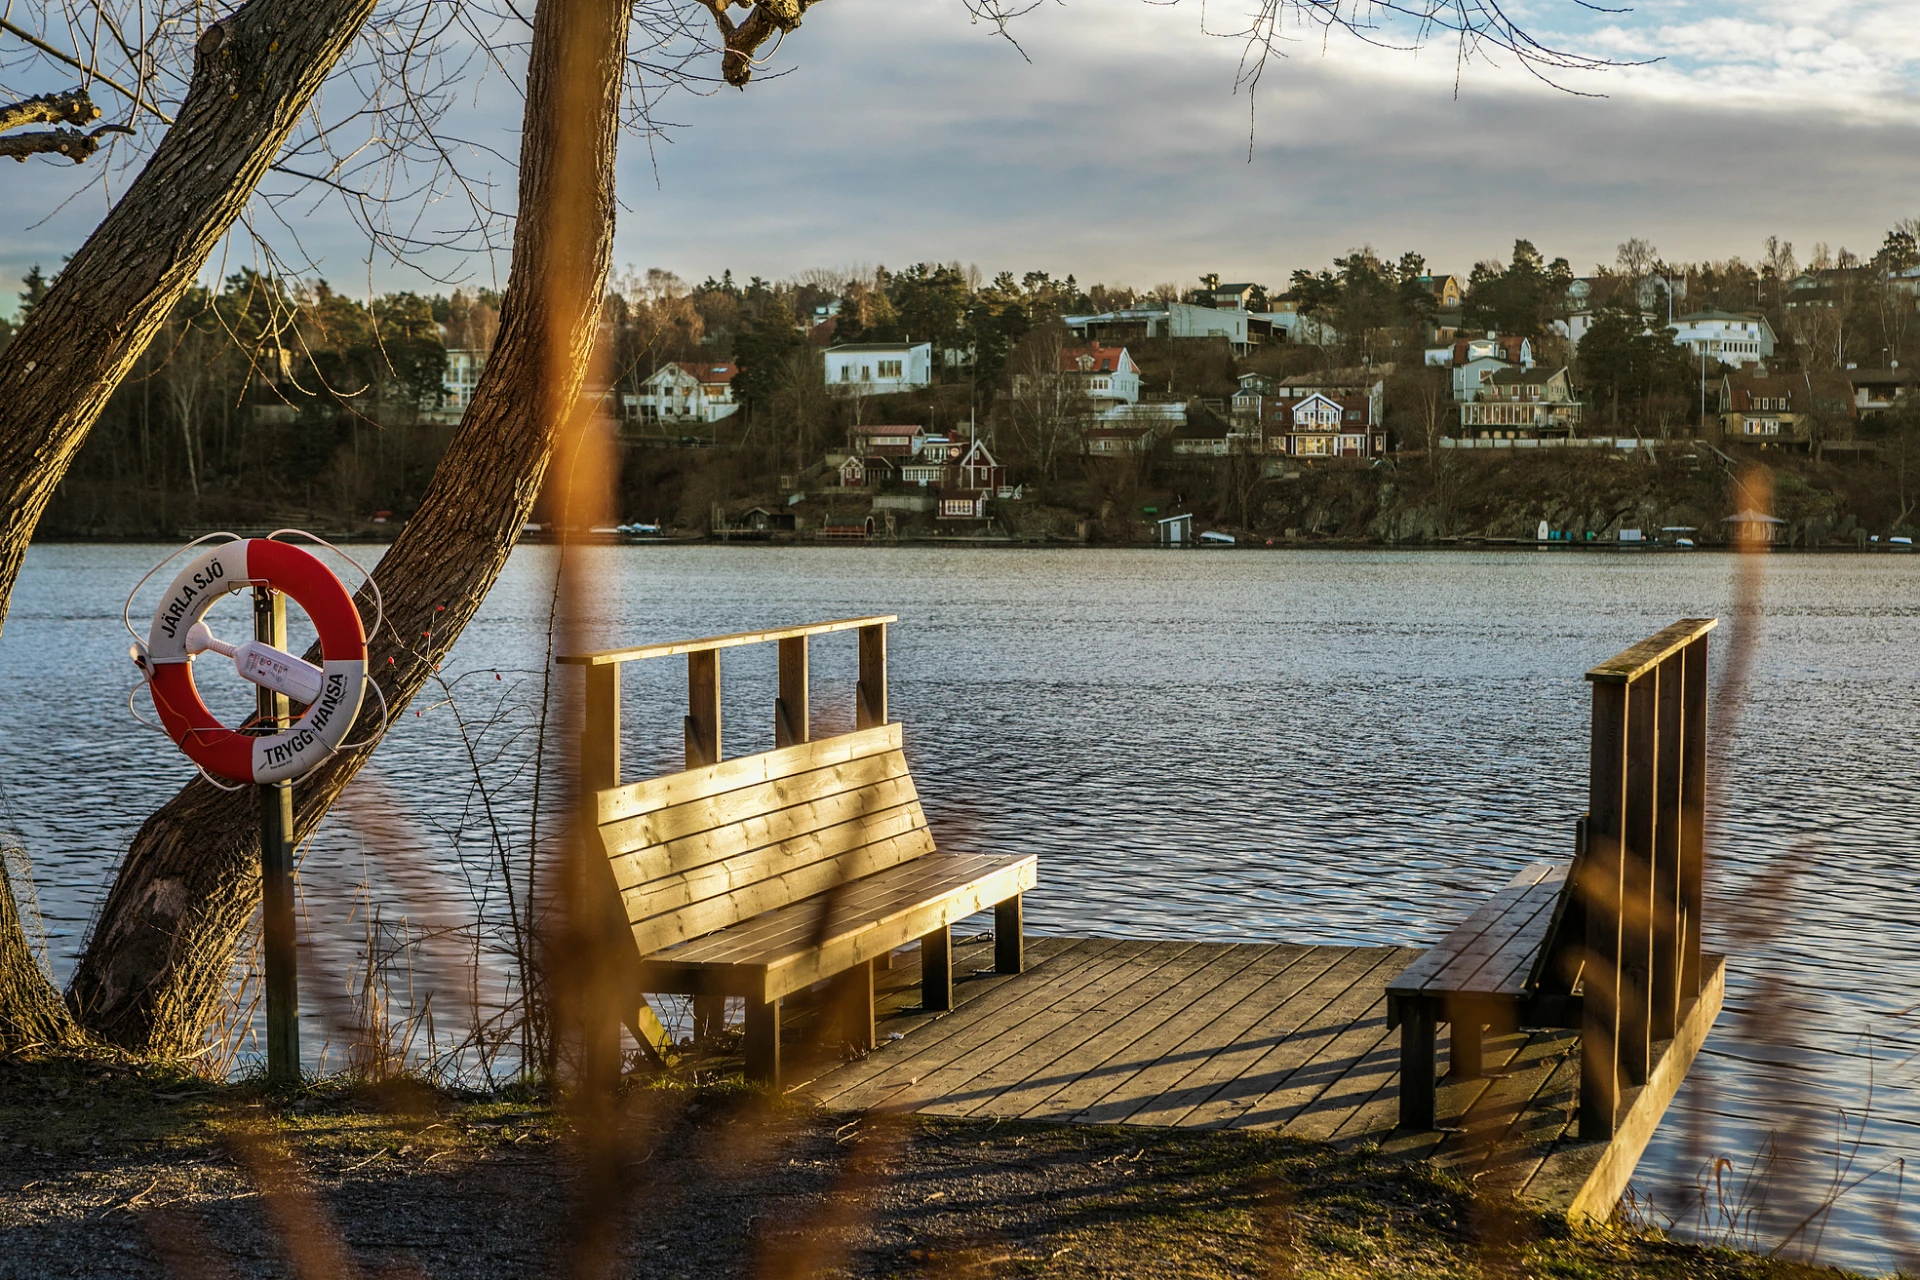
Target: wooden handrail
[[672, 648], [1630, 664]]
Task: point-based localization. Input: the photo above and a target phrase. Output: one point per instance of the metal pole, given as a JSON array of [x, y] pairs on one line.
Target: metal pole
[[276, 868]]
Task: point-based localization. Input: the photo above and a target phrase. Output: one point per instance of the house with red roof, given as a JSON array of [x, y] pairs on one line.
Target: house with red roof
[[1107, 375]]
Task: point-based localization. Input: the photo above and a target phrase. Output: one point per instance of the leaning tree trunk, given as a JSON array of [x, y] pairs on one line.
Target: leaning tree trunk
[[254, 75], [157, 965]]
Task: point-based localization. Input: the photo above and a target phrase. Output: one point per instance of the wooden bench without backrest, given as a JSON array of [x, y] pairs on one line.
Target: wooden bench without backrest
[[1609, 942], [763, 875]]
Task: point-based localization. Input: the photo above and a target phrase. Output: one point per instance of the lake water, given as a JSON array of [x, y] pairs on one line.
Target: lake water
[[1317, 747]]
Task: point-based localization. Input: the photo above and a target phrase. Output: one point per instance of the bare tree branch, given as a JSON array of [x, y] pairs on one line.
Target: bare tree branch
[[75, 144]]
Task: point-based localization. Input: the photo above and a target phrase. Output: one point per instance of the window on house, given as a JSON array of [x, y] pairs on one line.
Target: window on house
[[890, 368], [846, 373]]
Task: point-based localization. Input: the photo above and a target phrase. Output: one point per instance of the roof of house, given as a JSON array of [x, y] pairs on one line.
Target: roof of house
[[1713, 313], [1796, 388], [1104, 359], [862, 348], [1880, 377], [711, 372], [1538, 376]]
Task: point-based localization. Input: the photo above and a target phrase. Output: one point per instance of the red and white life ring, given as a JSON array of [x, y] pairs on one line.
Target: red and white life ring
[[316, 734]]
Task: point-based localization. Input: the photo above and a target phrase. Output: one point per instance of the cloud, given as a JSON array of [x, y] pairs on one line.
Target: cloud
[[900, 133]]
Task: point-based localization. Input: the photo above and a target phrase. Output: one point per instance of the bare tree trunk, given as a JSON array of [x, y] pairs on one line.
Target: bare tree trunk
[[255, 73], [158, 962]]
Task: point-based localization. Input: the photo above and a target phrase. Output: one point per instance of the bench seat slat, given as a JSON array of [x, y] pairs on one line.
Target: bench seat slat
[[784, 950], [1469, 968], [1514, 920]]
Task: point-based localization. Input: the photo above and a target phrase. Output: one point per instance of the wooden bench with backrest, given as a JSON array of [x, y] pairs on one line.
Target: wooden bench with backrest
[[1608, 942], [760, 876]]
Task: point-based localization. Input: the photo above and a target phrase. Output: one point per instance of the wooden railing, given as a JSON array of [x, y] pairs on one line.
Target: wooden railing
[[792, 716], [1641, 872]]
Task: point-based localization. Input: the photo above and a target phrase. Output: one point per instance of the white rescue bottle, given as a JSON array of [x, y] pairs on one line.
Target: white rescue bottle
[[264, 665]]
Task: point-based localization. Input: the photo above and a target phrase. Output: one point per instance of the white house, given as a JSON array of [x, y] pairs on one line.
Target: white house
[[1107, 375], [461, 376], [1726, 336], [1174, 320], [878, 368], [684, 392]]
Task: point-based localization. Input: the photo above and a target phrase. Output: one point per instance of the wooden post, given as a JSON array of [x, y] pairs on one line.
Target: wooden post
[[1416, 1066], [871, 693], [792, 714], [936, 970], [853, 1005], [1009, 936], [1663, 1014], [1639, 875], [1693, 814], [600, 730], [763, 1041], [703, 708], [709, 1016], [1601, 893], [282, 976]]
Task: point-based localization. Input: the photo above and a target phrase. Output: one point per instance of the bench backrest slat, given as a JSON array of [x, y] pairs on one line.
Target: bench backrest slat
[[707, 848]]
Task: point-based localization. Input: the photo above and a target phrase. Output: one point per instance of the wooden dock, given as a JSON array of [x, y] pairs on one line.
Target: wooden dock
[[1238, 1035]]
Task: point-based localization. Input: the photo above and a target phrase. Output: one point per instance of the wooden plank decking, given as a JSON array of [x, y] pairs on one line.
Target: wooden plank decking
[[1235, 1035]]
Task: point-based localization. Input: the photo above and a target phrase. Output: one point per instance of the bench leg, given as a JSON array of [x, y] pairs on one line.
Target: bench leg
[[1464, 1052], [1009, 952], [763, 1041], [936, 970], [853, 1005], [1416, 1066]]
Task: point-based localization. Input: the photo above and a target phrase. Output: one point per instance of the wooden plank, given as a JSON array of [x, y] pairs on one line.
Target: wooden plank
[[1505, 972], [1462, 936], [1663, 988], [1601, 893], [1487, 1122], [1454, 1099], [936, 970], [742, 959], [1641, 815], [1178, 1047], [799, 925], [1056, 972], [1019, 1046], [1346, 1101], [1009, 936], [674, 648], [969, 1030], [730, 775], [1693, 810], [756, 847], [1417, 1063], [703, 708], [870, 847], [1134, 1043], [760, 799], [698, 867], [1043, 1048], [792, 705], [600, 731], [1521, 916], [1546, 1088], [1635, 661], [1232, 1080]]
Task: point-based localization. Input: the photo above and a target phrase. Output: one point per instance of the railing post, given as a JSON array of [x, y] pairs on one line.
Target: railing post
[[1693, 813], [792, 714], [1601, 892], [1664, 989], [1638, 910], [703, 708], [871, 693], [600, 731]]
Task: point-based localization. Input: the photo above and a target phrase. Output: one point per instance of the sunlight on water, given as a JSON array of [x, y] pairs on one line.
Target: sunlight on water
[[1318, 747]]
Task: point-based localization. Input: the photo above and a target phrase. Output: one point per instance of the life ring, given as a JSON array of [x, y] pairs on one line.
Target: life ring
[[319, 732]]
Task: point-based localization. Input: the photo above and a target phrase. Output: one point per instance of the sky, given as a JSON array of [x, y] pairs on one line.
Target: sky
[[1114, 145]]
